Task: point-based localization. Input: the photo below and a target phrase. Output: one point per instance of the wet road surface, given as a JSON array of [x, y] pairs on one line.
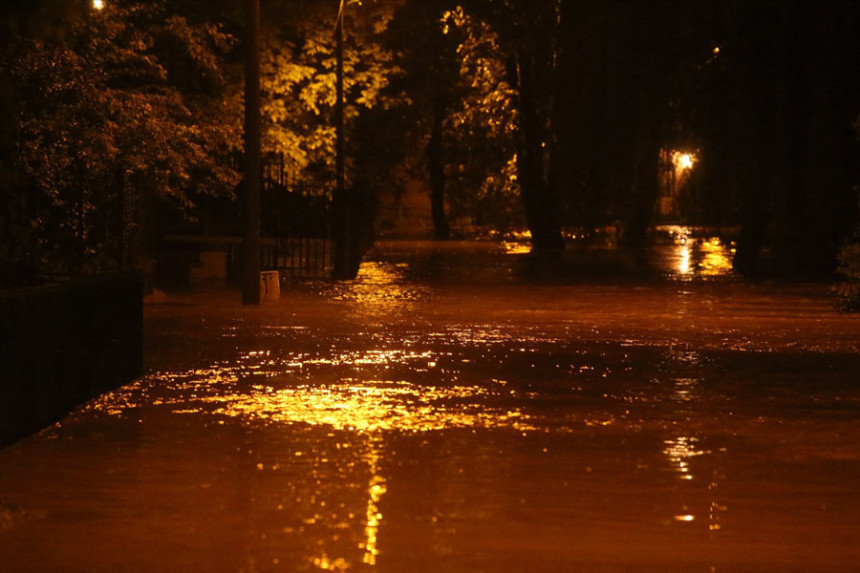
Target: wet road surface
[[462, 409]]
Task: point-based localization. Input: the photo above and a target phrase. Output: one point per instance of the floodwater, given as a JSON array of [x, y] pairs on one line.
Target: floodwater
[[463, 407]]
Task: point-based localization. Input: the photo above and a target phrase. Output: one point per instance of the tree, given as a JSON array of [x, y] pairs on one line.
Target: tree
[[299, 79], [431, 73], [303, 61], [779, 131], [459, 75], [482, 127], [106, 133], [528, 35], [252, 184]]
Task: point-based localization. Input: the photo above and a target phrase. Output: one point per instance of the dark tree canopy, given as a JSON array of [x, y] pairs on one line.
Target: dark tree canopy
[[548, 113]]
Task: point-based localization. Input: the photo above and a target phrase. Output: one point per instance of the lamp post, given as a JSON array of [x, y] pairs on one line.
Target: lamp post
[[253, 162], [343, 264], [339, 111]]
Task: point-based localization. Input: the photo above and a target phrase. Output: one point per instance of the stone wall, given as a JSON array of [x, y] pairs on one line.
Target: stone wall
[[63, 344]]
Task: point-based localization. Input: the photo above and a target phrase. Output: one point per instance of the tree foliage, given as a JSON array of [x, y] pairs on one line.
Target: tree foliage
[[299, 75], [481, 126], [848, 291], [122, 111], [528, 38], [465, 121]]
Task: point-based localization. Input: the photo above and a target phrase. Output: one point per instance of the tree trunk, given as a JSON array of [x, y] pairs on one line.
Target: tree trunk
[[534, 152], [436, 172], [645, 185], [751, 240]]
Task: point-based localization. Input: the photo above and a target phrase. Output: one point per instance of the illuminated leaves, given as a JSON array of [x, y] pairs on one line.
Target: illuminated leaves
[[100, 116], [481, 124], [299, 81]]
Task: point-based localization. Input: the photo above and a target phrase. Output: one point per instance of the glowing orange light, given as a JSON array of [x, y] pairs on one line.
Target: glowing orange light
[[684, 161], [98, 4]]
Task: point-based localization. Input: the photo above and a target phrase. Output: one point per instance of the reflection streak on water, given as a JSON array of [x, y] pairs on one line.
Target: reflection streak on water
[[369, 406], [362, 408], [702, 258], [381, 286], [369, 543], [376, 489], [717, 258], [516, 248], [684, 260], [679, 450]]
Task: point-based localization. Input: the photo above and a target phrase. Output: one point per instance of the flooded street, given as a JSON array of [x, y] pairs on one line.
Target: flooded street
[[464, 408]]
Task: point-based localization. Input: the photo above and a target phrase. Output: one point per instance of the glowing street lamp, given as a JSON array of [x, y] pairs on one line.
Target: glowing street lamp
[[676, 167], [684, 161], [98, 4]]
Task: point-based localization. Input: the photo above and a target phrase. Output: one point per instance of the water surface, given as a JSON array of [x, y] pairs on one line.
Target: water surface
[[462, 409]]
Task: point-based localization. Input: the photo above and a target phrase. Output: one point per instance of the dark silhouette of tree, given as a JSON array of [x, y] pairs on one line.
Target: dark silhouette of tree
[[462, 77], [429, 59], [778, 131], [620, 72], [102, 134], [528, 33]]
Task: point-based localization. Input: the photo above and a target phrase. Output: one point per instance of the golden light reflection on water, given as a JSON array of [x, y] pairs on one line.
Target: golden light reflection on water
[[717, 258], [369, 542], [516, 248], [684, 267], [705, 258], [374, 357], [381, 284], [376, 489], [679, 451], [368, 406]]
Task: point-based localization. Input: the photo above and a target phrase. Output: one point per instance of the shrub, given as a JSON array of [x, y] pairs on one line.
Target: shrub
[[848, 292]]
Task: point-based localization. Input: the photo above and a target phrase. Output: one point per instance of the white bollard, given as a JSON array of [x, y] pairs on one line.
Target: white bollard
[[270, 286]]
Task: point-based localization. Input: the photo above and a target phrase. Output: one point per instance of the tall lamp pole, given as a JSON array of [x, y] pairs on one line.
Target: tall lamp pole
[[340, 204], [339, 114], [253, 163]]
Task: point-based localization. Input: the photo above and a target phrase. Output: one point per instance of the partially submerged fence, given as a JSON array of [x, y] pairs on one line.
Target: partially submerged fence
[[297, 217], [295, 227]]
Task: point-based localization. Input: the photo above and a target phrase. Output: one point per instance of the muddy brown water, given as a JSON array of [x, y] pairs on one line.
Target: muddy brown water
[[459, 408]]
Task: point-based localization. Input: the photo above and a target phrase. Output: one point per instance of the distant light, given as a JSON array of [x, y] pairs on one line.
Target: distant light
[[685, 161], [716, 50], [98, 4]]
